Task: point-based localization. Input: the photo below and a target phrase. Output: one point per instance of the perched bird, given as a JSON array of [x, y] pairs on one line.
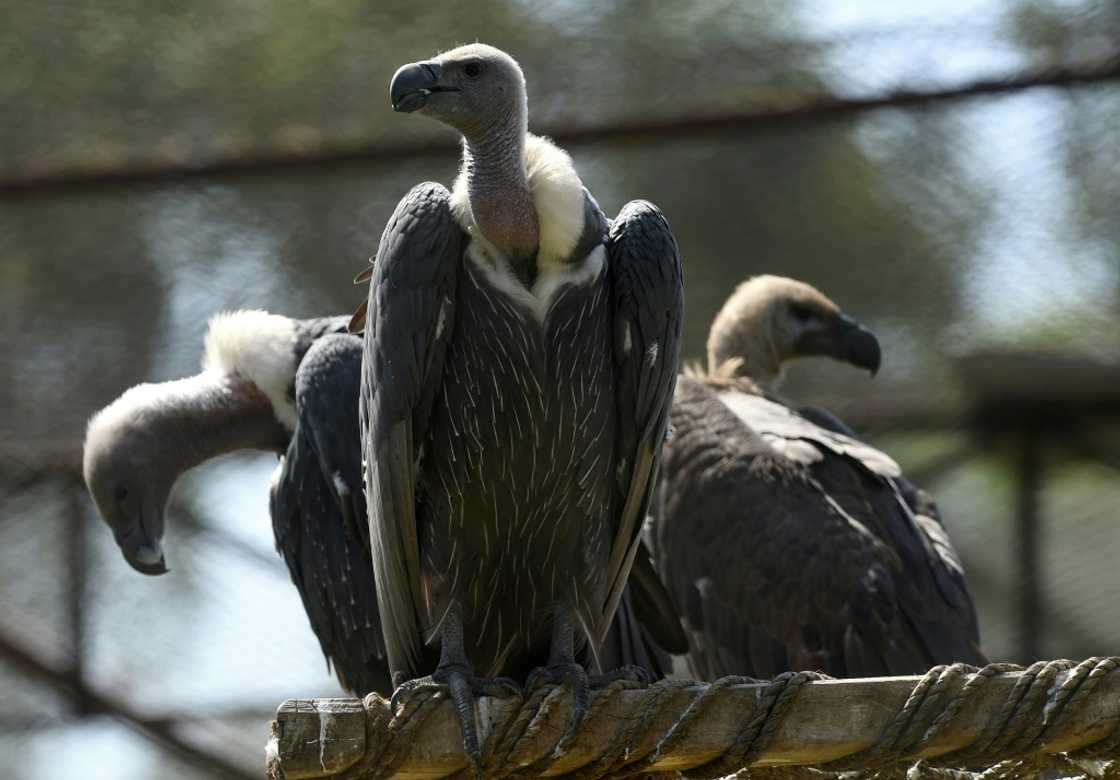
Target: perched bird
[[788, 543], [290, 387], [519, 364], [268, 383]]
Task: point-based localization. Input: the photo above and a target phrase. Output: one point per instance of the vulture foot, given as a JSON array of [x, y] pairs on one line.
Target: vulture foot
[[575, 678], [463, 687]]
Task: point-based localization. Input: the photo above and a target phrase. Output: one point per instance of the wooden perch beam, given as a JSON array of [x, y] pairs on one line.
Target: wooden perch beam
[[827, 720]]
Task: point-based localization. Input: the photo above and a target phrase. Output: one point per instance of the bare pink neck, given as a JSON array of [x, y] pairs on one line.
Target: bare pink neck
[[501, 201]]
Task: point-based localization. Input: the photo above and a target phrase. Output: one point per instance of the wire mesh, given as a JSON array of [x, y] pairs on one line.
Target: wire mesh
[[963, 224]]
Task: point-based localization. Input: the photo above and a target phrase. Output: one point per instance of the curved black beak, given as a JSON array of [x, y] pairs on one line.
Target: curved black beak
[[860, 346], [840, 337], [412, 83], [141, 553]]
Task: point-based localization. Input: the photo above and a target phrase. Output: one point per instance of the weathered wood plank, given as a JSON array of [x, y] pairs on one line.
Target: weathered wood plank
[[318, 737], [827, 720]]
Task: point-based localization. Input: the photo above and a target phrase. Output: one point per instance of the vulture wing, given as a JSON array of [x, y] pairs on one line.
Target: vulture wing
[[318, 515], [653, 607], [791, 549], [913, 526], [645, 273], [411, 315], [801, 439], [933, 594]]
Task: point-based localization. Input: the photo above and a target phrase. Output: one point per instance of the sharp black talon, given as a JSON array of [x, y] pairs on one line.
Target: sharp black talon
[[575, 677], [410, 686], [463, 687]]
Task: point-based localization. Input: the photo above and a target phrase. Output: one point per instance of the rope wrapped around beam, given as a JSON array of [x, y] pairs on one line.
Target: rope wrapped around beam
[[954, 722]]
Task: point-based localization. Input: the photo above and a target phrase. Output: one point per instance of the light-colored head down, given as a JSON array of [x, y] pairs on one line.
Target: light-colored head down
[[129, 462], [139, 445], [769, 320]]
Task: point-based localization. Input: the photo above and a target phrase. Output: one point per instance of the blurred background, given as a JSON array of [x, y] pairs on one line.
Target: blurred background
[[947, 171]]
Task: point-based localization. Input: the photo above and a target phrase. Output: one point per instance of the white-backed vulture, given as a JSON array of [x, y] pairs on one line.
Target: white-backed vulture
[[519, 367], [788, 543], [268, 383]]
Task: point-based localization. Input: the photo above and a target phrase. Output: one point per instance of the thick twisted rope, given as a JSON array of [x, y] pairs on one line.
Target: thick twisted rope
[[759, 731], [390, 742], [1030, 714], [1010, 744]]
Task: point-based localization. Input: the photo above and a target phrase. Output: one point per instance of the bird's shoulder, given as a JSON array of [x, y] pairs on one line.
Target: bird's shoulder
[[800, 436]]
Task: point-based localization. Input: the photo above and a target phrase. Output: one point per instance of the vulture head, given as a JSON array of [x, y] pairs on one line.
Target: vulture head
[[129, 469], [137, 447], [476, 89], [769, 320]]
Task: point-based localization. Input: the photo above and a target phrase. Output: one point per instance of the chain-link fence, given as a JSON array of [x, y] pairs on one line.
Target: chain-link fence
[[948, 173]]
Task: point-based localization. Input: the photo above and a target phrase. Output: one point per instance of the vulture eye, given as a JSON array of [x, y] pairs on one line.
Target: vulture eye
[[473, 70], [120, 493], [801, 313]]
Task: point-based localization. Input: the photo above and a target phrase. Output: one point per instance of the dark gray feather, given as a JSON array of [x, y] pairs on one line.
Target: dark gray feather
[[647, 292], [789, 544], [411, 291], [314, 503]]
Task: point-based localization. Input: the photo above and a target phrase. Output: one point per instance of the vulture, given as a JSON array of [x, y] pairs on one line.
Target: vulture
[[291, 387], [788, 543], [267, 383], [519, 364]]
